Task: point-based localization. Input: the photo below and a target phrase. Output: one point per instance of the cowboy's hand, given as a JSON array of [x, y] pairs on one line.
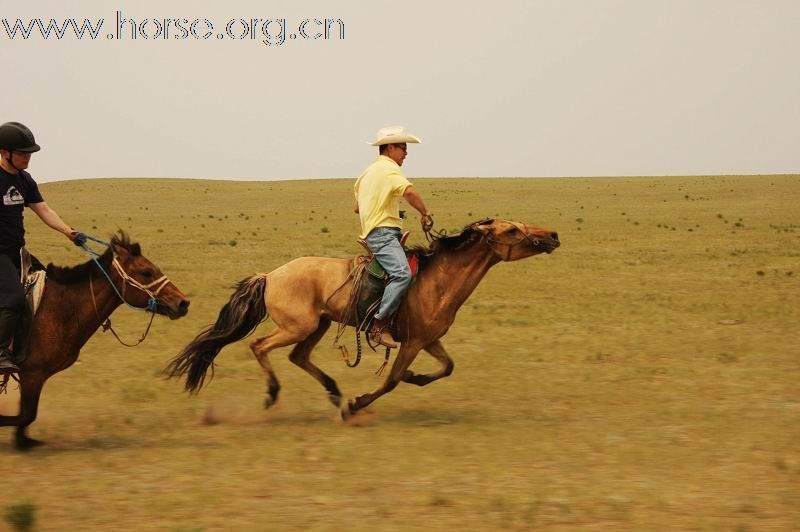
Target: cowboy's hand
[[427, 223], [78, 238]]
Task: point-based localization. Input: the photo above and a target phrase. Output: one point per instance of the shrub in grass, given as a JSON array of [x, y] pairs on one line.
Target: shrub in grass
[[324, 229], [21, 516], [232, 243]]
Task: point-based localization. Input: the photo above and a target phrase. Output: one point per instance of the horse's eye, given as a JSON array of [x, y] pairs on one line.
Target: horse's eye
[[513, 231], [147, 274]]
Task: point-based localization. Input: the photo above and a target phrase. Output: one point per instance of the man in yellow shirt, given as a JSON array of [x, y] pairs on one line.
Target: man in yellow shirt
[[378, 191]]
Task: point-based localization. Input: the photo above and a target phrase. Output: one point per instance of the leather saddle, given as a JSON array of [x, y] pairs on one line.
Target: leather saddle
[[33, 277], [369, 290]]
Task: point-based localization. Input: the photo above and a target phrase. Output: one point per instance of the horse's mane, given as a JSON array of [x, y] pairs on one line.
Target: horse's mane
[[81, 272], [443, 243]]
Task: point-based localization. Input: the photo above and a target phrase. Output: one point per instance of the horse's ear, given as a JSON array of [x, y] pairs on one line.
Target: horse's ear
[[121, 252], [484, 226]]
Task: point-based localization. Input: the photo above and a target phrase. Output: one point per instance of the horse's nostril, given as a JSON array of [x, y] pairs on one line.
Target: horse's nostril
[[554, 236], [184, 306]]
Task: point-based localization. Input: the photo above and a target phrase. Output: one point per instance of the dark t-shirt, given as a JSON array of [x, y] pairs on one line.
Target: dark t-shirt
[[17, 192]]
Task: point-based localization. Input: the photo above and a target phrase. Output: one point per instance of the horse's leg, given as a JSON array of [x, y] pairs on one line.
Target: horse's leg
[[436, 349], [262, 346], [301, 356], [405, 356], [30, 390], [10, 421]]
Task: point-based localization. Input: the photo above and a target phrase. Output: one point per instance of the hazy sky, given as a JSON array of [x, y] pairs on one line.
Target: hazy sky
[[502, 88]]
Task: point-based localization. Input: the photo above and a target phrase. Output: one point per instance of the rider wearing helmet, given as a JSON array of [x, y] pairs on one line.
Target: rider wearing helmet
[[18, 190]]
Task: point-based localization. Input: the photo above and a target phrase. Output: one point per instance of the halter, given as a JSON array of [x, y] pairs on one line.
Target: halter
[[147, 289], [158, 284], [523, 228]]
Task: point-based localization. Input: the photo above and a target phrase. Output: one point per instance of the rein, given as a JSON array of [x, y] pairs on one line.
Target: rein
[[152, 302]]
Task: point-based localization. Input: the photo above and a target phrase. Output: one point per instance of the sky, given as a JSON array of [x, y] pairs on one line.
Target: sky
[[511, 88]]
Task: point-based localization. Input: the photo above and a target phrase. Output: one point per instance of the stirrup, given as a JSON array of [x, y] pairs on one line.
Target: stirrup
[[376, 337], [8, 367]]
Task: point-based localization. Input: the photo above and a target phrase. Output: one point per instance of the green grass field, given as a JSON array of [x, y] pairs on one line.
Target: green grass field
[[645, 376]]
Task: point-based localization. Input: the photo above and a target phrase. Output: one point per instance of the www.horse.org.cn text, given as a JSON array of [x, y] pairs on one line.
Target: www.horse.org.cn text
[[268, 31]]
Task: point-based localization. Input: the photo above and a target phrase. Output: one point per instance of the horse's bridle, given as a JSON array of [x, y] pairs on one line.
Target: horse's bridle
[[158, 284], [523, 228], [147, 289]]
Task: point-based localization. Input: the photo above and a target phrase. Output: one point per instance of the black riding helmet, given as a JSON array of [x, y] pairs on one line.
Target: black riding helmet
[[17, 137]]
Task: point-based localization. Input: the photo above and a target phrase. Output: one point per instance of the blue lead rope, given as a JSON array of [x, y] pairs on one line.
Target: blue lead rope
[[81, 238]]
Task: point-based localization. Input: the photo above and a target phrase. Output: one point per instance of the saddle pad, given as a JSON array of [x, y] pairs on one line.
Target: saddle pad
[[34, 290], [32, 276]]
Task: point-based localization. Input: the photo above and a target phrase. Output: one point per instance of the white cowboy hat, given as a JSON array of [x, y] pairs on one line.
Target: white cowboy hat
[[394, 135]]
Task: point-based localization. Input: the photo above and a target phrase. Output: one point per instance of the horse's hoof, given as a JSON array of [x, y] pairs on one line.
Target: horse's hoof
[[348, 410], [336, 400], [26, 443], [269, 401], [357, 418]]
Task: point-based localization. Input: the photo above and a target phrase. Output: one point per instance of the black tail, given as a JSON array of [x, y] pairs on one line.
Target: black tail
[[238, 319]]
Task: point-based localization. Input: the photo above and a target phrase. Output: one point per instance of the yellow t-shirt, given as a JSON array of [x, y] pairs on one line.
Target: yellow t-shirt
[[378, 192]]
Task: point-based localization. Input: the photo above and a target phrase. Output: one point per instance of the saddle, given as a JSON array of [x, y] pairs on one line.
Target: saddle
[[369, 288], [369, 282], [32, 276]]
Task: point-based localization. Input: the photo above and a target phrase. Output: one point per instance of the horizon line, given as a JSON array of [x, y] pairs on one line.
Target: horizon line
[[281, 179]]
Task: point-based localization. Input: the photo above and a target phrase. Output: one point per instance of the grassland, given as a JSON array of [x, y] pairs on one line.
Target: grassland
[[642, 377]]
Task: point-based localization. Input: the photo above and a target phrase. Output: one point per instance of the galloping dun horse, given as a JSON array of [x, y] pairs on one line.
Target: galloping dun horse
[[76, 302], [305, 295]]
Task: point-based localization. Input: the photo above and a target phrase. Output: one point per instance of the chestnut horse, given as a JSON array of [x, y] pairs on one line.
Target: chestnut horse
[[76, 302], [305, 295]]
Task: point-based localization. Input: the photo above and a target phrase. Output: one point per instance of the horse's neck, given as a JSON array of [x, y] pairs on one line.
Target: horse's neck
[[80, 316], [464, 270]]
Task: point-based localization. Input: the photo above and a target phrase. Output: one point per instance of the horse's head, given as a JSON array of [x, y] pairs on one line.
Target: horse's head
[[514, 240], [141, 280]]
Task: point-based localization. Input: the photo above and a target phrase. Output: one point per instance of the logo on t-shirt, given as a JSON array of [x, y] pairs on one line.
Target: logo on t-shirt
[[13, 197]]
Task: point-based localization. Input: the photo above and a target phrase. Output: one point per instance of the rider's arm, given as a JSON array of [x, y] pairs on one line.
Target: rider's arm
[[415, 200], [51, 218]]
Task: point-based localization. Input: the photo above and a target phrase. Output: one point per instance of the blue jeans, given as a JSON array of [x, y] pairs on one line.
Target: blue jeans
[[384, 243]]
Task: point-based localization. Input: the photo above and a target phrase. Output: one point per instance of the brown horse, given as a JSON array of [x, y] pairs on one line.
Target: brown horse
[[303, 296], [75, 303]]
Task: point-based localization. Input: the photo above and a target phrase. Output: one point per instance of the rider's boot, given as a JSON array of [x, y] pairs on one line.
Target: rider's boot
[[8, 327], [379, 333]]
